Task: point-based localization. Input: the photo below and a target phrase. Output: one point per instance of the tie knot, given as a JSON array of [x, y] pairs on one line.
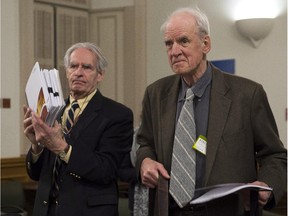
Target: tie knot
[[189, 94], [74, 105]]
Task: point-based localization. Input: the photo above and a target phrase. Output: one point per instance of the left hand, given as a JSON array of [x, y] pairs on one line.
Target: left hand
[[263, 196], [150, 171], [50, 137]]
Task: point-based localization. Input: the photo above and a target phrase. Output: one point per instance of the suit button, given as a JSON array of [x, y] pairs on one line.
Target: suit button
[[45, 202]]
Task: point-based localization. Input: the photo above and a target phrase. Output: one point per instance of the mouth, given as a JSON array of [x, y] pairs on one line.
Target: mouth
[[176, 61], [77, 82]]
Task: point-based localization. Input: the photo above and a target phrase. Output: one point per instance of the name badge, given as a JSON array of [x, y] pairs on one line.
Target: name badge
[[201, 144]]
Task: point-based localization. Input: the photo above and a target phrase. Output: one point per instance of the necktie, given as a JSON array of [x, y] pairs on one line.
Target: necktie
[[71, 116], [182, 181], [56, 172], [58, 162]]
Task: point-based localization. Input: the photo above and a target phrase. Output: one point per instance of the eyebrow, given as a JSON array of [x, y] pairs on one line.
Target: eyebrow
[[82, 64]]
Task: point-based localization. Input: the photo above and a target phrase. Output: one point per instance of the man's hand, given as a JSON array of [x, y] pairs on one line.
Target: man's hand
[[263, 196], [29, 130], [27, 123], [150, 171], [50, 137]]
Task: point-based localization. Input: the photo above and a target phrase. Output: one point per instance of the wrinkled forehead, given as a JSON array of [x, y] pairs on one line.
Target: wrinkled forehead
[[182, 21], [83, 55], [180, 24]]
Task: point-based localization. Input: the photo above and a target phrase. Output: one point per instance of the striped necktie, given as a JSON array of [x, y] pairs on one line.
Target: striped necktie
[[58, 163], [182, 181], [71, 116]]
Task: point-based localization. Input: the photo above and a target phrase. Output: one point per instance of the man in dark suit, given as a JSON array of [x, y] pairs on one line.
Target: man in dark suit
[[88, 155], [233, 113]]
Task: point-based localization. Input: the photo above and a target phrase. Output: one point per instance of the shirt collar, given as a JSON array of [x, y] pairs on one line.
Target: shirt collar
[[199, 87], [83, 100]]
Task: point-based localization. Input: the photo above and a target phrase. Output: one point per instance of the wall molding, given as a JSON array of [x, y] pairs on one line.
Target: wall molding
[[14, 169]]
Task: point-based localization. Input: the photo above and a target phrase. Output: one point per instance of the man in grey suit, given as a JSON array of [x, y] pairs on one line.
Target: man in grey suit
[[233, 113]]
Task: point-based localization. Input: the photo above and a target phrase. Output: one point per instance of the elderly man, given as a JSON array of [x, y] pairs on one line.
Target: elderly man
[[77, 161], [201, 127]]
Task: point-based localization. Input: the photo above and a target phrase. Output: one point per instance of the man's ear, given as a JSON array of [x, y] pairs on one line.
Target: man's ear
[[66, 74], [100, 76], [206, 44]]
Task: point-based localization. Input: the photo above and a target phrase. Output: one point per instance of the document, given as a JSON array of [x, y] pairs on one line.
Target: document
[[44, 93], [207, 194]]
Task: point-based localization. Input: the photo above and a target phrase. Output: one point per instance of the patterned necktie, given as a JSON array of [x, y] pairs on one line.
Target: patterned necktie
[[182, 181], [56, 174], [58, 162], [71, 116]]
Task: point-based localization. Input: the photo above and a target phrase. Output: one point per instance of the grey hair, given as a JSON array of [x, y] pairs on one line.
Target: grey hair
[[102, 63], [200, 17]]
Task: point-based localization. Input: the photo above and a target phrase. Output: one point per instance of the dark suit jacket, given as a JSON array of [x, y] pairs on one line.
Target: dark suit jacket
[[241, 133], [128, 175], [100, 139]]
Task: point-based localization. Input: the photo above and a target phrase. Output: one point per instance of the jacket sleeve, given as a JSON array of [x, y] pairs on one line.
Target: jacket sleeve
[[270, 152]]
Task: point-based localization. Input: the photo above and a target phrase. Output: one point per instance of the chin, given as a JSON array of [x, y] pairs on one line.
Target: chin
[[180, 71], [77, 91], [77, 87]]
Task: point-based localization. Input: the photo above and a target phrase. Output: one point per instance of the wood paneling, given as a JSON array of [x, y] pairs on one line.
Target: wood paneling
[[44, 35], [14, 169], [71, 27], [107, 32], [81, 4]]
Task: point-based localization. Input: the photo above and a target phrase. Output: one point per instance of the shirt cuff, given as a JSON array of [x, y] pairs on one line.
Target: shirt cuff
[[67, 156], [35, 157]]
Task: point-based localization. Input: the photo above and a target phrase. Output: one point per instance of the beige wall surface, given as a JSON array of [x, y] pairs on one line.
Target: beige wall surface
[[10, 79], [266, 64]]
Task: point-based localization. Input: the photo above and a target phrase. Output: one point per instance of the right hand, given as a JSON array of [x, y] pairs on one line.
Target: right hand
[[29, 130], [150, 171], [50, 137]]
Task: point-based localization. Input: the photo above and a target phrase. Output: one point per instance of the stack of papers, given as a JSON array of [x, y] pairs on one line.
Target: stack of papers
[[44, 93], [203, 195]]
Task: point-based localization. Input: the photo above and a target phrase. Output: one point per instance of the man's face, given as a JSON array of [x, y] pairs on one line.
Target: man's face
[[81, 73], [186, 50]]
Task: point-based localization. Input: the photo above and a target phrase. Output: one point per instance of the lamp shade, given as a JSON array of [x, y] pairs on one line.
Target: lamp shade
[[255, 29]]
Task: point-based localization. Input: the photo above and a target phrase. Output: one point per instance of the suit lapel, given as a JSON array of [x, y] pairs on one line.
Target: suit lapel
[[88, 115], [167, 120], [218, 113]]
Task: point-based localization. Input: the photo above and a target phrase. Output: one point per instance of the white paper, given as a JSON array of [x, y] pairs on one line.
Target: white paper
[[218, 191], [43, 103]]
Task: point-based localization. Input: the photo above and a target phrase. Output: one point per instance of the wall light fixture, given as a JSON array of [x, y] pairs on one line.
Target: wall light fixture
[[255, 29]]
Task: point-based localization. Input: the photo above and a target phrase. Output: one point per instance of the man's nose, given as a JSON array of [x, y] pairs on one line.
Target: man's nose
[[176, 49], [79, 70]]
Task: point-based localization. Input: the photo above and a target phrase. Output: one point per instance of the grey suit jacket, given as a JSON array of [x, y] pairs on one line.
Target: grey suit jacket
[[243, 142]]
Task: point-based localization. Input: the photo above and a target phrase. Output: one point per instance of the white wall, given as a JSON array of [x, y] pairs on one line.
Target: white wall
[[10, 79], [0, 76]]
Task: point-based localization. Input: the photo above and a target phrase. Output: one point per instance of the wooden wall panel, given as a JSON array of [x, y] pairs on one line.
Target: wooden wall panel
[[107, 33], [84, 4], [14, 169], [44, 35], [71, 27]]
